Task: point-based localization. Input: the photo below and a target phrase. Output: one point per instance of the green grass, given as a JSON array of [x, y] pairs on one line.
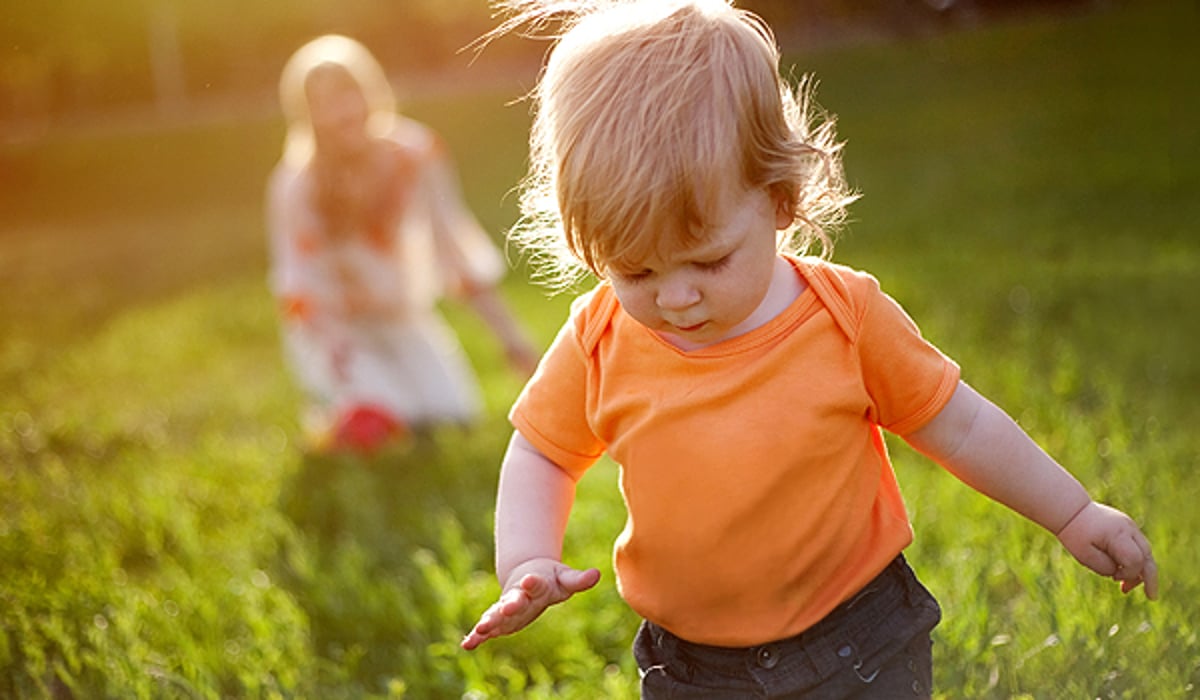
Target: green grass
[[1029, 197]]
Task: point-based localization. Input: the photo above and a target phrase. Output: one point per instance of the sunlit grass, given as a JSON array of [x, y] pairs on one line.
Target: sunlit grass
[[161, 534]]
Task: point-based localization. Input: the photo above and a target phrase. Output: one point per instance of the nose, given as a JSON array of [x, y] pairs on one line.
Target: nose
[[676, 293], [347, 119]]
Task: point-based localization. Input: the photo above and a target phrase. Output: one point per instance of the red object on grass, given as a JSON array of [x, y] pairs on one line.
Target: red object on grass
[[366, 428]]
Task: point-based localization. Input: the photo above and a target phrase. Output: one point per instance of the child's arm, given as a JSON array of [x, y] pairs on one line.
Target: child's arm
[[977, 442], [534, 500]]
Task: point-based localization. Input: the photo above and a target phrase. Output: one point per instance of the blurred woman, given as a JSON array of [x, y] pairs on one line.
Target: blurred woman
[[368, 231]]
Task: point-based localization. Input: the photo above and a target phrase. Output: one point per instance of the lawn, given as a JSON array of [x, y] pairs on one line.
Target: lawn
[[1029, 196]]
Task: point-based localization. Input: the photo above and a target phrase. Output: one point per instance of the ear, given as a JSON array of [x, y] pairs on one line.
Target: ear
[[785, 214]]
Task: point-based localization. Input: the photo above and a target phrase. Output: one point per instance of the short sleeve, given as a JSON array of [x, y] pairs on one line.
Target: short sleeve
[[551, 412], [908, 379]]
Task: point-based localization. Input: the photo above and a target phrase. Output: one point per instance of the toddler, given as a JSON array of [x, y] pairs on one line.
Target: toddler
[[741, 384]]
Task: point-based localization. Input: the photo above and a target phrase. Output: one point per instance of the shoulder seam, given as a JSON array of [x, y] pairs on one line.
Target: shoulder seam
[[834, 291], [594, 317]]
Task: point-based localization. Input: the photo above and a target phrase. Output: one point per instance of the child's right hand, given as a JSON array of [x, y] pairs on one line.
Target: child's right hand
[[531, 588], [1108, 542]]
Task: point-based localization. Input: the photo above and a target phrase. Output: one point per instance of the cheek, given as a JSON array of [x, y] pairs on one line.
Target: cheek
[[739, 300], [745, 288], [638, 302]]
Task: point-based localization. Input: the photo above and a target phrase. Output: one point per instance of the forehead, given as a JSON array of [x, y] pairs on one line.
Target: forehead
[[723, 225], [330, 79]]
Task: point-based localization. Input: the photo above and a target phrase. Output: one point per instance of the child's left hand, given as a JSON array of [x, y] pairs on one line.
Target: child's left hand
[[1108, 542]]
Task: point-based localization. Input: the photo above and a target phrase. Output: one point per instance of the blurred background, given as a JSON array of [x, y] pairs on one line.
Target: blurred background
[[70, 61], [1029, 172]]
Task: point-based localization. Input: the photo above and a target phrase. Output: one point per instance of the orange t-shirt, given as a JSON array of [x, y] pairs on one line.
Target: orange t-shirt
[[758, 486]]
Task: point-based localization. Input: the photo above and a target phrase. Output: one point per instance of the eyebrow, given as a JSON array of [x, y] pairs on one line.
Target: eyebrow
[[706, 251], [717, 242], [724, 238]]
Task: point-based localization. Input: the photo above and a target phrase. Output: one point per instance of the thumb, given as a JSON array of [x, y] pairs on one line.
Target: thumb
[[574, 581]]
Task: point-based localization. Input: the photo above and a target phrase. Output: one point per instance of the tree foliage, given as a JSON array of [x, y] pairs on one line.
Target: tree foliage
[[65, 55], [62, 56]]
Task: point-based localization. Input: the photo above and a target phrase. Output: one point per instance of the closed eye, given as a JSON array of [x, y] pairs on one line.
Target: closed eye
[[632, 277], [715, 265]]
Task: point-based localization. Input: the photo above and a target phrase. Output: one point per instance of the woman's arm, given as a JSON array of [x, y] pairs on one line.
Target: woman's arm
[[980, 444], [496, 314]]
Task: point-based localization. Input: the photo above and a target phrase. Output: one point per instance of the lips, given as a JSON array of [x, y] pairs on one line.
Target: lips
[[690, 329]]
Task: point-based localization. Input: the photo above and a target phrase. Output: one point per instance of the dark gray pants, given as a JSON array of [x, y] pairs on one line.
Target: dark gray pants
[[876, 645]]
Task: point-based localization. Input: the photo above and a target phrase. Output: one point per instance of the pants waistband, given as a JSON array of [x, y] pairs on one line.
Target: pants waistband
[[894, 591]]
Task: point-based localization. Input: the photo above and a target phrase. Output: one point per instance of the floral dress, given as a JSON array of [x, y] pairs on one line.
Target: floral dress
[[358, 299]]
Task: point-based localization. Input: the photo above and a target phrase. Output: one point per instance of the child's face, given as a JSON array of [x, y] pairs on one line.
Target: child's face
[[714, 290]]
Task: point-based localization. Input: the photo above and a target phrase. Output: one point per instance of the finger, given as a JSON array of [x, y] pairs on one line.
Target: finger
[[1134, 560], [472, 641], [489, 621], [1127, 557], [529, 589], [514, 602], [1143, 544], [1150, 579], [1125, 551], [1098, 560], [574, 581], [1148, 574], [533, 585], [496, 622], [480, 633]]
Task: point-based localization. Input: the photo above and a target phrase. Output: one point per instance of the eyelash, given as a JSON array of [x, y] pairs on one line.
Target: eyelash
[[636, 277], [633, 277], [715, 265]]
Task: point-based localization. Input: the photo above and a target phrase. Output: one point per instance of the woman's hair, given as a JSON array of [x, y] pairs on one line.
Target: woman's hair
[[643, 113], [359, 65]]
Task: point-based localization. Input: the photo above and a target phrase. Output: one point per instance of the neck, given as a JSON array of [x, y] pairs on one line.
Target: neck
[[786, 286]]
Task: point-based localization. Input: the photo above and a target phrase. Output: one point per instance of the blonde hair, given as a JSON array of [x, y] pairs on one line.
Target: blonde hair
[[350, 57], [643, 112]]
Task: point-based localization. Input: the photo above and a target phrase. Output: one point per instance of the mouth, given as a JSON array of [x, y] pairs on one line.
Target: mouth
[[690, 329]]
